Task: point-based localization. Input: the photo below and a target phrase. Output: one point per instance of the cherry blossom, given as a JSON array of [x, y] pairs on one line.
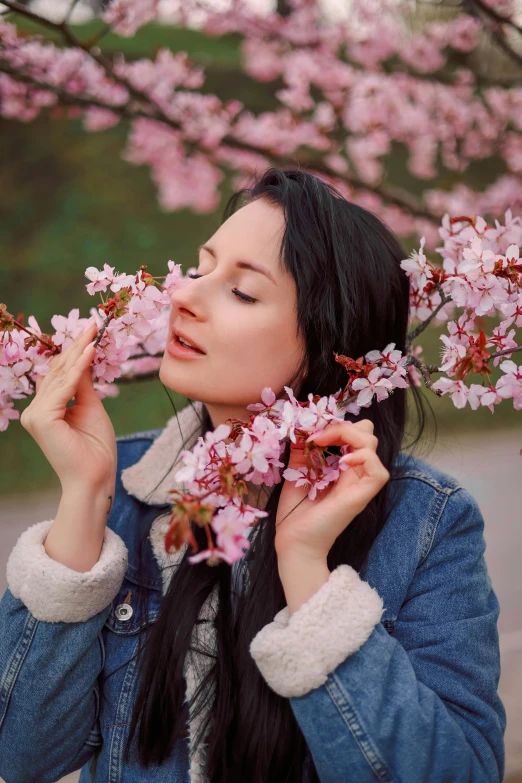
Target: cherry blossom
[[126, 16], [455, 351], [457, 390], [374, 384], [510, 384], [67, 329], [7, 412]]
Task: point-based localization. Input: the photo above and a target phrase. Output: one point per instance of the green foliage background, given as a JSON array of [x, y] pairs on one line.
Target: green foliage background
[[68, 201]]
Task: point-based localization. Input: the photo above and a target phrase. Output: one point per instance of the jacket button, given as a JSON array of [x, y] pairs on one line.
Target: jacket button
[[124, 612]]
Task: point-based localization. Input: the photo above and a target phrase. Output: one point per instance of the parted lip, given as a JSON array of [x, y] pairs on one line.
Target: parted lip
[[179, 333]]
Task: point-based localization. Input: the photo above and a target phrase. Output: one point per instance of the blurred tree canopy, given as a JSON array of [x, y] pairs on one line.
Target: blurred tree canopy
[[69, 201]]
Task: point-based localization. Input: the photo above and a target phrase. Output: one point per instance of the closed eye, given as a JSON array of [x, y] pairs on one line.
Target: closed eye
[[240, 295]]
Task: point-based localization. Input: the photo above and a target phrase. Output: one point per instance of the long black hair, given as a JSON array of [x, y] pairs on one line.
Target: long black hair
[[352, 297]]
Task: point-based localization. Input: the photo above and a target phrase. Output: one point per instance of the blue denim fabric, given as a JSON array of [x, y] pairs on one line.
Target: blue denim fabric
[[417, 702]]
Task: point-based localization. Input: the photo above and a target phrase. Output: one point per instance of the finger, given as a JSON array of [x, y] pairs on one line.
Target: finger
[[38, 381], [70, 354], [365, 424], [40, 378], [370, 461], [85, 391], [61, 384], [345, 433], [69, 379]]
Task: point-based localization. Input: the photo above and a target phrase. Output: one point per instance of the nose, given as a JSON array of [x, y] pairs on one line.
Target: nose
[[181, 302]]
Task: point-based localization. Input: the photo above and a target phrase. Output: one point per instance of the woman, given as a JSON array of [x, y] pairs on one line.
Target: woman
[[356, 640]]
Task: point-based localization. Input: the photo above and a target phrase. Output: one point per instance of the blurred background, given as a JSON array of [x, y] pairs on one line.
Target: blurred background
[[68, 201]]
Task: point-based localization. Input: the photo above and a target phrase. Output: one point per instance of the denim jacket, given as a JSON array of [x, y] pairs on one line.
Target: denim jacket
[[391, 672]]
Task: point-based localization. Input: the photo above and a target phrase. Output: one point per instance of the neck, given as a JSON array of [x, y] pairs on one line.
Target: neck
[[220, 413]]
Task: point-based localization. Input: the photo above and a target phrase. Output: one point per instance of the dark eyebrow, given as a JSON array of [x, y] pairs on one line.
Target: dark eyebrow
[[242, 264]]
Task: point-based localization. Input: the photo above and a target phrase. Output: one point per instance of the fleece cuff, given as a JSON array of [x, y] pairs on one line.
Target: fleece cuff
[[296, 654], [55, 593]]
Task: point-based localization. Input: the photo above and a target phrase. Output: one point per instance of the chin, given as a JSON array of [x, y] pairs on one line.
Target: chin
[[182, 381], [178, 380]]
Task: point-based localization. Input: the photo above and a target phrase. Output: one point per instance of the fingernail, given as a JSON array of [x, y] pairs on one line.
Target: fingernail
[[87, 347]]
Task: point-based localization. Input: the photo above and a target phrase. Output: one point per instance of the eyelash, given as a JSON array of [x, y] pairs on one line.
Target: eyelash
[[240, 295]]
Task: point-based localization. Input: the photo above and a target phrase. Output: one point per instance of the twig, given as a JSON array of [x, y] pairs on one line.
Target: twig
[[489, 11], [70, 11], [505, 352], [422, 326], [425, 370], [496, 33], [59, 27], [50, 346], [144, 356], [103, 327]]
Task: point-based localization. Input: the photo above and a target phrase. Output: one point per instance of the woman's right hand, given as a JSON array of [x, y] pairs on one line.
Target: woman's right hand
[[79, 442]]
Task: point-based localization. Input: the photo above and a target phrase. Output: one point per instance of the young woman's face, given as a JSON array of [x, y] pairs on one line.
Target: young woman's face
[[248, 345]]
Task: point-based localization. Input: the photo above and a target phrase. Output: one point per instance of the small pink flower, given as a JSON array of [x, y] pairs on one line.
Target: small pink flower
[[7, 413], [374, 384], [67, 329]]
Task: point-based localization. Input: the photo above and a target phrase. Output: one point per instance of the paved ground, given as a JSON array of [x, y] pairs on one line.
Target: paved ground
[[490, 467]]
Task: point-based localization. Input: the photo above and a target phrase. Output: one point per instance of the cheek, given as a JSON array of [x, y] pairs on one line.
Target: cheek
[[266, 343]]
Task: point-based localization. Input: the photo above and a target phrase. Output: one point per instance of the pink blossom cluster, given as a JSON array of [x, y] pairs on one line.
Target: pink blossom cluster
[[252, 455], [481, 273], [133, 329], [69, 71], [342, 96], [367, 104], [126, 16]]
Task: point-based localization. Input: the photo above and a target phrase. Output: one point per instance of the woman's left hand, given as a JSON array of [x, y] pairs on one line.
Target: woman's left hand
[[306, 529]]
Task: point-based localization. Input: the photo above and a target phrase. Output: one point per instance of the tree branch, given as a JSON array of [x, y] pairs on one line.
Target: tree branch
[[425, 370], [496, 33], [494, 14], [422, 326], [59, 27], [390, 195], [70, 11], [505, 352], [68, 98]]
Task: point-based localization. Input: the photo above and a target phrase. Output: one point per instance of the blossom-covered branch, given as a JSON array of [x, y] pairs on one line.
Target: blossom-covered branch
[[350, 91]]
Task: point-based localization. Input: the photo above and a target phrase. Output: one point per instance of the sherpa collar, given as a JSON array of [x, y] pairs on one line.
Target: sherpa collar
[[149, 480]]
